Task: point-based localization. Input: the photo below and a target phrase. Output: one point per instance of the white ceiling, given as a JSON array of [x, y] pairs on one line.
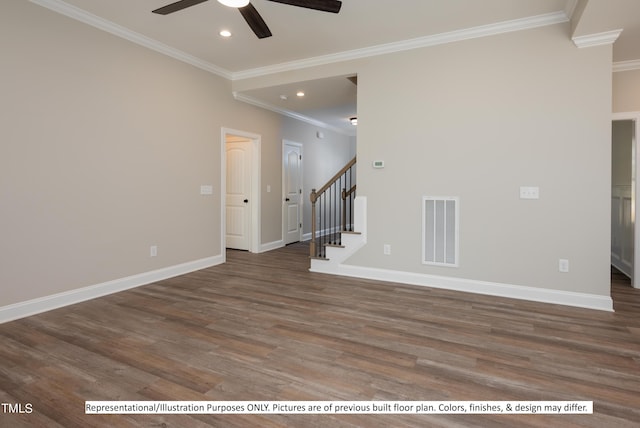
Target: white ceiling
[[301, 34]]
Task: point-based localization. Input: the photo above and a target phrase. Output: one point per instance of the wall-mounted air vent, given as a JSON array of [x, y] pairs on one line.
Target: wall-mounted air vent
[[440, 230]]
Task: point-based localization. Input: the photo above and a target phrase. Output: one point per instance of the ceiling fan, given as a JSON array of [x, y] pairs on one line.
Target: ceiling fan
[[251, 15]]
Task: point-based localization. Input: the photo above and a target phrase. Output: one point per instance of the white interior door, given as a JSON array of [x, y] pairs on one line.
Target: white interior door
[[238, 204], [292, 189]]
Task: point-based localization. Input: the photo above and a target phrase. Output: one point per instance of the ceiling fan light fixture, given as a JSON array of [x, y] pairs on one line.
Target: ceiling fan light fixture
[[234, 3], [250, 13]]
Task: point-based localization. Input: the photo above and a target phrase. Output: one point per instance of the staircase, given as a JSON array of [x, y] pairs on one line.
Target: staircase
[[337, 231]]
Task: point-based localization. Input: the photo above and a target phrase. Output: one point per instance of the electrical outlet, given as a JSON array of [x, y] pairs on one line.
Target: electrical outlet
[[153, 251], [563, 265], [387, 249]]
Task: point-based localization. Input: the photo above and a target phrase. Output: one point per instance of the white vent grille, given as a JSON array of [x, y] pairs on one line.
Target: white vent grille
[[440, 230]]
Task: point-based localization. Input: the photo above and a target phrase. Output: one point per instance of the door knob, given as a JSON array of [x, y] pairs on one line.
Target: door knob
[[287, 199], [246, 201]]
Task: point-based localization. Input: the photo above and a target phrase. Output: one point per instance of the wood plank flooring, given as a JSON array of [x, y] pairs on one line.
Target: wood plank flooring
[[261, 327]]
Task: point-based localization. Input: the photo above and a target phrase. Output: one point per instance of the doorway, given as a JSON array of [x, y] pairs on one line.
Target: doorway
[[625, 237], [240, 195]]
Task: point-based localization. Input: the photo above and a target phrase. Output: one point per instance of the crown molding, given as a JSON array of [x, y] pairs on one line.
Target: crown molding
[[597, 39], [253, 101], [85, 17], [570, 8], [81, 15], [420, 42], [130, 35], [626, 65]]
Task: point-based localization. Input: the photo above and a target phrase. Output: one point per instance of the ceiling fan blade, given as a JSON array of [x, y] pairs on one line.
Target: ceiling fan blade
[[179, 5], [255, 21], [322, 5]]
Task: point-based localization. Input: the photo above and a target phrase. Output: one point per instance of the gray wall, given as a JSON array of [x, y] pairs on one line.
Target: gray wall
[[626, 91], [477, 120], [104, 146], [622, 150]]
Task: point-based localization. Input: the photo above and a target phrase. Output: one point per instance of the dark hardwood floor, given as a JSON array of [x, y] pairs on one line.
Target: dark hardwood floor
[[261, 327]]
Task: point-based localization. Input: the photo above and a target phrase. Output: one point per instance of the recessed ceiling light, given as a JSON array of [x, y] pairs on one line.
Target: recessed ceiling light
[[225, 33], [300, 94]]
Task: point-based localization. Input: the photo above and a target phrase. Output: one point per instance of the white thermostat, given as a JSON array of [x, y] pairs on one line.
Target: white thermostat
[[378, 164]]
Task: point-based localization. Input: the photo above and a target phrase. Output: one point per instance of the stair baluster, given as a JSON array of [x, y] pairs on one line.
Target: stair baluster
[[332, 210]]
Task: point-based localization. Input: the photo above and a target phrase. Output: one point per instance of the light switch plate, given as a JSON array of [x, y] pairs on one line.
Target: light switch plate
[[529, 192], [563, 265], [206, 189]]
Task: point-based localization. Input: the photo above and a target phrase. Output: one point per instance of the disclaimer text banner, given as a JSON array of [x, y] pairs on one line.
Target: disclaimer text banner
[[338, 407]]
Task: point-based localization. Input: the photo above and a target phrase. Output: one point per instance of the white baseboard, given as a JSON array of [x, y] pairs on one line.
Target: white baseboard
[[55, 301], [567, 298], [271, 246], [335, 266]]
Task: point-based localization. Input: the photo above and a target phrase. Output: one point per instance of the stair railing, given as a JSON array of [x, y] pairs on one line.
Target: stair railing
[[332, 210]]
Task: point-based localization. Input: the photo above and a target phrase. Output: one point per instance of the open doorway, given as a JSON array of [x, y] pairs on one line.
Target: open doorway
[[625, 237], [240, 195]]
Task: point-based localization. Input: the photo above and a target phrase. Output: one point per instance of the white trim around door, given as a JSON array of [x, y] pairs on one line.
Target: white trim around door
[[635, 117], [256, 141]]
